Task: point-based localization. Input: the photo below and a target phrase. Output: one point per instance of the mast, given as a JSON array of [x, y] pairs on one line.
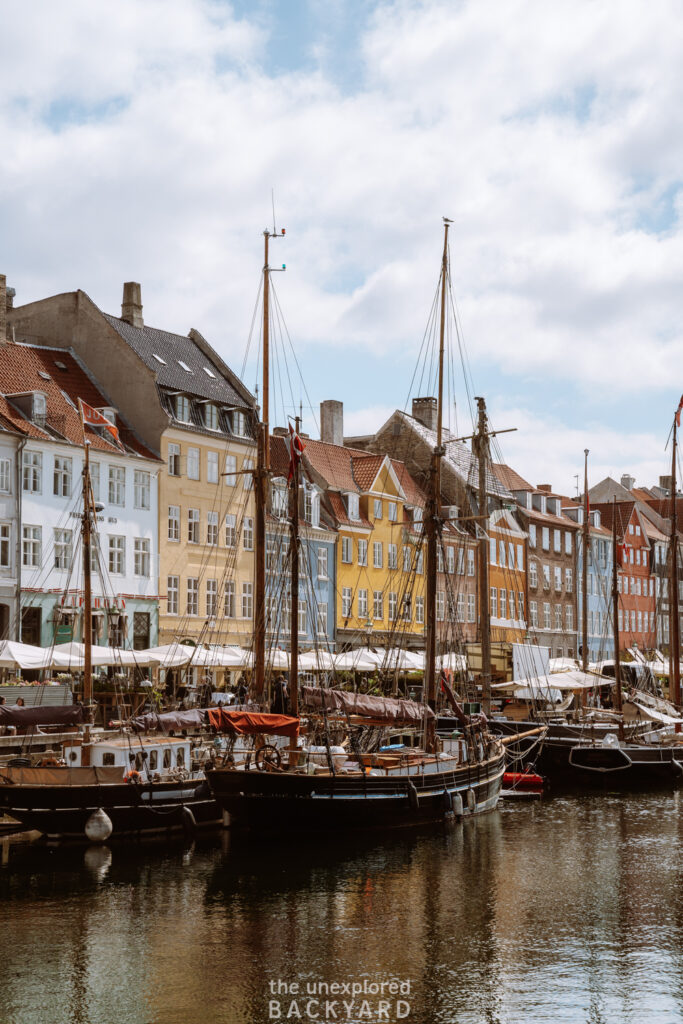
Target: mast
[[434, 504], [675, 646], [482, 451], [294, 552], [261, 495], [584, 574], [86, 534], [615, 613]]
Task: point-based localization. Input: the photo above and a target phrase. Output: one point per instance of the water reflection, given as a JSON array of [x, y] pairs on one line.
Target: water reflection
[[568, 910]]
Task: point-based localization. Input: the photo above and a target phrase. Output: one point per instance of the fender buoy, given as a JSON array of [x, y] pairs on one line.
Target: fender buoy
[[447, 801], [413, 797], [132, 776], [471, 800], [522, 780], [98, 827]]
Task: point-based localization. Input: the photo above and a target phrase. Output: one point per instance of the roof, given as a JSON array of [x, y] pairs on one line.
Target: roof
[[334, 464], [510, 479], [608, 489], [414, 494], [623, 510], [365, 469], [220, 384], [62, 378]]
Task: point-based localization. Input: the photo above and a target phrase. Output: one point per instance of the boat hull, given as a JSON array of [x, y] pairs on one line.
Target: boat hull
[[631, 766], [269, 801], [62, 811]]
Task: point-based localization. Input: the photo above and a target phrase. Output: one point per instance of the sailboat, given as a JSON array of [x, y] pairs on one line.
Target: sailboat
[[395, 785]]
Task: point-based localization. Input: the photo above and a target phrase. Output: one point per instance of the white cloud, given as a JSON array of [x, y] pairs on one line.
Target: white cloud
[[141, 141]]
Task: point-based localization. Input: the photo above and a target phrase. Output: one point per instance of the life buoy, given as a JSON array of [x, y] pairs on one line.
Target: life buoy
[[132, 776]]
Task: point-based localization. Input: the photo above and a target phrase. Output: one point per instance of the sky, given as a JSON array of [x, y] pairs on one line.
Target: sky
[[146, 140]]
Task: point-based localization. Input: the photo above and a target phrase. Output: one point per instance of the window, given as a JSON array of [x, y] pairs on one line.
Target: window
[[392, 556], [533, 613], [278, 500], [637, 556], [95, 480], [192, 596], [633, 621], [117, 555], [347, 595], [239, 424], [141, 487], [393, 512], [545, 534], [532, 535], [568, 580], [533, 574], [520, 558], [557, 541], [322, 562], [141, 556], [494, 602], [174, 460], [567, 543], [620, 620], [362, 552], [546, 615], [346, 549], [174, 522], [419, 562], [229, 609], [406, 558], [362, 604], [511, 555], [211, 416], [212, 467], [501, 553], [471, 608], [230, 470], [5, 476], [32, 472], [5, 545], [450, 560], [640, 622], [503, 603], [520, 606], [212, 528], [439, 560], [568, 617], [637, 531], [211, 599], [271, 555], [61, 480], [193, 463], [302, 617], [558, 616], [321, 618], [377, 604], [62, 549], [193, 525], [230, 534], [420, 610], [172, 588], [377, 506], [417, 515], [117, 485], [558, 578], [247, 466], [353, 506], [492, 551], [393, 606], [377, 554], [546, 577], [182, 408], [470, 562], [248, 533]]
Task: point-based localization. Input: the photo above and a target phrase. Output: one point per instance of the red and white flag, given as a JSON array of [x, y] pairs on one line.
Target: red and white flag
[[678, 412], [296, 450], [93, 418]]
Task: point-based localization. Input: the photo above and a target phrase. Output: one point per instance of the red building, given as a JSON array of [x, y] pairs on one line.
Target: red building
[[637, 607]]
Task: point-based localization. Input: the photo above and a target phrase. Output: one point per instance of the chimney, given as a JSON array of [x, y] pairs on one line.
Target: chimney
[[332, 422], [545, 487], [628, 481], [131, 307], [425, 412]]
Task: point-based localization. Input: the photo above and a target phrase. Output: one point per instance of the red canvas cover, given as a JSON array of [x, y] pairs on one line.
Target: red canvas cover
[[247, 723]]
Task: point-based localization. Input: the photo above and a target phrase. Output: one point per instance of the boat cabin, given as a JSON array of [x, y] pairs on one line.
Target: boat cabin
[[159, 754]]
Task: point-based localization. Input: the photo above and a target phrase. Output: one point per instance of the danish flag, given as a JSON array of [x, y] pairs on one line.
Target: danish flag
[[296, 450], [95, 419], [678, 412]]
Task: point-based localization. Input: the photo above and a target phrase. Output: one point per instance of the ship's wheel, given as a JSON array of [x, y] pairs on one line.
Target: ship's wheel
[[267, 758]]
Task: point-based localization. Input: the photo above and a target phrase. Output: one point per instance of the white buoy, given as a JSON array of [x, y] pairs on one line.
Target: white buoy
[[98, 827]]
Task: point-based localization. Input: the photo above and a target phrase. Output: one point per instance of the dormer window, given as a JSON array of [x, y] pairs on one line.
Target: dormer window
[[239, 423], [182, 408], [109, 414], [353, 506], [211, 416], [39, 407], [279, 500], [417, 515]]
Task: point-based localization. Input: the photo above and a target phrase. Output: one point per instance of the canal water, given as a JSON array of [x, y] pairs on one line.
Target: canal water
[[564, 910]]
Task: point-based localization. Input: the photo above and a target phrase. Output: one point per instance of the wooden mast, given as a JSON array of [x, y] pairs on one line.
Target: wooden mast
[[584, 575], [434, 505], [481, 439], [261, 496], [615, 613], [675, 646], [294, 555], [86, 534]]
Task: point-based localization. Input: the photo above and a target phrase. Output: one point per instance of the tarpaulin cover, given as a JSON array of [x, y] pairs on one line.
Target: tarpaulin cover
[[70, 714], [62, 776], [169, 721], [384, 709], [247, 723]]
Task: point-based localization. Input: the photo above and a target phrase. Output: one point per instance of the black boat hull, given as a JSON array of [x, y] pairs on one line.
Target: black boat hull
[[63, 811], [631, 766], [286, 801]]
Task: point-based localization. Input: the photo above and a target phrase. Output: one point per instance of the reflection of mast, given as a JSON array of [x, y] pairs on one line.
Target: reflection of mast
[[675, 645], [481, 446], [615, 608], [294, 602], [86, 533], [584, 575], [434, 503]]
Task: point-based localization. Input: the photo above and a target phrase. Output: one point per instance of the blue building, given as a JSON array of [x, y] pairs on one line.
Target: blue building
[[600, 622]]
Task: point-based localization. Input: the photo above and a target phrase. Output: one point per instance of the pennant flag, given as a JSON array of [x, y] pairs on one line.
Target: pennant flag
[[678, 412], [296, 450], [93, 418]]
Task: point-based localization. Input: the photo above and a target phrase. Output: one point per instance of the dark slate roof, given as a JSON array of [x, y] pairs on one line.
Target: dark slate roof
[[171, 347]]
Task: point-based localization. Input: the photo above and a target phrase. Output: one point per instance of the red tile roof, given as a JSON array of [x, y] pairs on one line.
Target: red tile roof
[[510, 479], [340, 514], [414, 494], [624, 511], [21, 367], [365, 469]]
